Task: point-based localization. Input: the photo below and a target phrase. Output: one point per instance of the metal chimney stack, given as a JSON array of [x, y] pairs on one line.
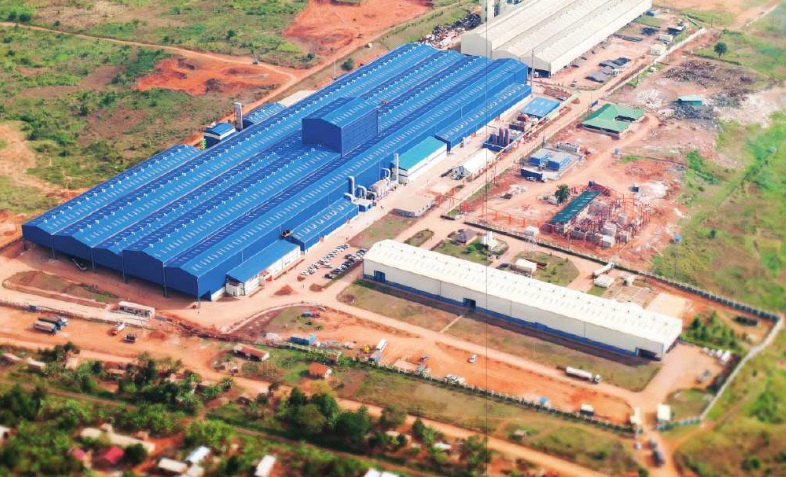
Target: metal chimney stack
[[238, 116]]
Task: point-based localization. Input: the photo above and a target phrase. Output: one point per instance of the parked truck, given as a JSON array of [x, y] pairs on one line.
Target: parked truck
[[58, 321], [581, 374], [46, 327]]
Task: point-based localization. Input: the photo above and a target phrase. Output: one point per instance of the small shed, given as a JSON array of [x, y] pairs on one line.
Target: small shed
[[34, 365], [11, 358], [319, 371], [525, 266], [111, 456], [171, 466], [198, 455], [663, 413], [691, 100], [443, 446], [265, 466]]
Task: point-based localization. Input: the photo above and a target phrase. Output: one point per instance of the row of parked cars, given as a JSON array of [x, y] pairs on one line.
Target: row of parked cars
[[324, 262], [350, 260]]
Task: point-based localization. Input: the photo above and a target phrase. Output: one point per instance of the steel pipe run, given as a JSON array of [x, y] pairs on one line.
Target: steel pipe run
[[365, 191]]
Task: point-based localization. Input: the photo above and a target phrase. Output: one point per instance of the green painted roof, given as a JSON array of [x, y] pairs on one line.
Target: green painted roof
[[574, 207], [606, 117]]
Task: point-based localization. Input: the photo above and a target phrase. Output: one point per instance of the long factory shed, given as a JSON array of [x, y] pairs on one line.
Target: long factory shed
[[621, 327], [192, 220], [548, 35]]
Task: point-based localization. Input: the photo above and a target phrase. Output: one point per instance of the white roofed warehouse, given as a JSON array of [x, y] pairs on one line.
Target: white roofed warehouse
[[620, 327], [548, 35]]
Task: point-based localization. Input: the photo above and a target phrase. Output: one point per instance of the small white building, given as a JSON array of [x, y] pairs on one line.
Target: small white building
[[171, 466], [663, 413], [265, 466], [198, 455], [525, 266]]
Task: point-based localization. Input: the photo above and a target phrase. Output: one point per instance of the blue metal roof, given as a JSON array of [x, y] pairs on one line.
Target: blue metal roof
[[540, 107], [219, 129], [222, 212], [263, 112], [257, 263], [422, 150]]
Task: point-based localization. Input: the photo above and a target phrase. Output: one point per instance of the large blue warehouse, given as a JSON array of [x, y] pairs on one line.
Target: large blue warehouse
[[207, 222]]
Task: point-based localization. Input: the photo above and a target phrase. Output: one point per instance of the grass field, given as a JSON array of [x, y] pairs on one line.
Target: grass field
[[21, 198], [735, 233], [419, 238], [650, 21], [474, 252], [761, 46], [589, 446], [688, 403], [475, 329], [559, 271], [387, 227], [79, 112], [371, 297], [714, 18], [749, 422], [236, 27]]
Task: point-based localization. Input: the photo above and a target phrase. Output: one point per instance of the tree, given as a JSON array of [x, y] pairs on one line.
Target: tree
[[721, 48], [475, 451], [233, 465], [210, 433], [231, 34], [329, 408], [307, 420], [563, 193], [135, 454], [418, 428], [354, 425], [296, 398], [392, 416], [348, 64]]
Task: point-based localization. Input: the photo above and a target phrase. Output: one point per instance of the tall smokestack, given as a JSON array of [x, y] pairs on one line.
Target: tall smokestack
[[238, 116]]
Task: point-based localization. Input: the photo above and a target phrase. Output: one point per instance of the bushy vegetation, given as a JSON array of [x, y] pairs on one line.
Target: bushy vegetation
[[735, 233], [712, 332], [236, 27], [89, 123]]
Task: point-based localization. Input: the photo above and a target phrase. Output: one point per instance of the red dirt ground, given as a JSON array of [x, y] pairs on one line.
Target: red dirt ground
[[197, 76], [325, 27]]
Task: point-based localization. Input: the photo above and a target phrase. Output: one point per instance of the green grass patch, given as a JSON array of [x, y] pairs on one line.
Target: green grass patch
[[22, 199], [383, 300], [588, 448], [476, 328], [749, 419], [628, 158], [688, 403], [761, 46], [240, 27], [474, 252], [388, 227], [85, 128], [710, 17], [649, 21], [597, 291], [559, 271], [735, 232], [452, 406], [420, 238]]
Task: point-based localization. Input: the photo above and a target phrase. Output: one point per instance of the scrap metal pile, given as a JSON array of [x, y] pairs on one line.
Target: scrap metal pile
[[735, 82], [443, 36]]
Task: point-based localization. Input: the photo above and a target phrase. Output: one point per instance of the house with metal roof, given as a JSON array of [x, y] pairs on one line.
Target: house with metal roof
[[612, 118], [236, 214], [621, 327]]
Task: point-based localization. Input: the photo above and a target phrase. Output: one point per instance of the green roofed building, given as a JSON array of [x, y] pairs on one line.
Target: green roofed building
[[574, 208], [612, 118]]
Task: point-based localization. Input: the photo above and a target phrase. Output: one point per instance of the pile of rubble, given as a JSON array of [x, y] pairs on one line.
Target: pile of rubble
[[735, 82], [701, 113], [443, 36]]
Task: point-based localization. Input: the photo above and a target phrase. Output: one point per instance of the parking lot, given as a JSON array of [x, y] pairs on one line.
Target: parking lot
[[351, 260]]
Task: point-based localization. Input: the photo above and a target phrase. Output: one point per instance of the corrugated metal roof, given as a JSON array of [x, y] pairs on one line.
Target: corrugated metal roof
[[422, 150], [220, 129], [626, 318], [257, 263], [606, 117], [540, 107], [574, 207], [345, 111]]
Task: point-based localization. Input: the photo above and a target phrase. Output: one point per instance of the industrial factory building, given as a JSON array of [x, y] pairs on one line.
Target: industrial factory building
[[244, 209], [620, 327], [548, 35]]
